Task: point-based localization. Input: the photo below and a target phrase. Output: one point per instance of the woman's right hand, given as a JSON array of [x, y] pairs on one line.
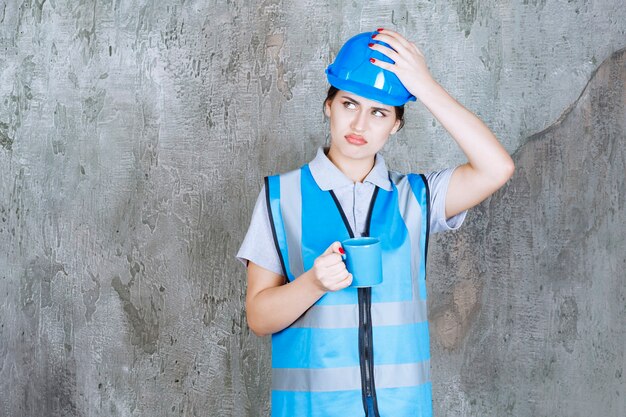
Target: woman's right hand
[[272, 305], [329, 271]]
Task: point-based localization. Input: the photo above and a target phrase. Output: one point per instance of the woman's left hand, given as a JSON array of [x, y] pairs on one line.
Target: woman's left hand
[[410, 66], [489, 165]]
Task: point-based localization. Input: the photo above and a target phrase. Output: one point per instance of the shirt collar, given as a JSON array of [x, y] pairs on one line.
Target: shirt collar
[[329, 177]]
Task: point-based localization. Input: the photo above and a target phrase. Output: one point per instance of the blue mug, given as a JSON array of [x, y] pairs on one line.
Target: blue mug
[[364, 261]]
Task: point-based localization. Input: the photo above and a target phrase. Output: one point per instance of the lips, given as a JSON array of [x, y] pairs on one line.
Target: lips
[[356, 140]]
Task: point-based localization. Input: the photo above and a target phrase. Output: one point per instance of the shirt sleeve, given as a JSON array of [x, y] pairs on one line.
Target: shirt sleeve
[[258, 246], [438, 185]]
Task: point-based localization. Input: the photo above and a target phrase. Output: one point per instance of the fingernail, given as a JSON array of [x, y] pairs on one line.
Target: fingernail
[[373, 36], [341, 251], [370, 44], [372, 60], [379, 30]]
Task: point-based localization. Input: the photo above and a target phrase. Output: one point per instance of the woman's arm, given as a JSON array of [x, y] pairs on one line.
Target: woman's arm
[[489, 166], [272, 306]]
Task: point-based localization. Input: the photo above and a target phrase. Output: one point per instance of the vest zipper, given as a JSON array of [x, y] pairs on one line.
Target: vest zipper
[[366, 351]]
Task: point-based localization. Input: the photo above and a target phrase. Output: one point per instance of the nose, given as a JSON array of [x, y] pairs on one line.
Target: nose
[[359, 121]]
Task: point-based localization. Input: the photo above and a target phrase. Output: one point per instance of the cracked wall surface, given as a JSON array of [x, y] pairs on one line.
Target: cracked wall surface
[[134, 136], [532, 320]]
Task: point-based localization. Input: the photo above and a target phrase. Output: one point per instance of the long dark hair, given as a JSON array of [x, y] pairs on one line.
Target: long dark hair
[[332, 91]]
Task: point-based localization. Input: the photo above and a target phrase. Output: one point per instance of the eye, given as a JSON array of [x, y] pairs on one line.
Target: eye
[[349, 105], [378, 113]]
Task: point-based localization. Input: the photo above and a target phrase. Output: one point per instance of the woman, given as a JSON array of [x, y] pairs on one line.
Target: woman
[[339, 350]]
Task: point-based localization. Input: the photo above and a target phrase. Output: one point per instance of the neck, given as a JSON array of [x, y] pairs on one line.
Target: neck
[[355, 169]]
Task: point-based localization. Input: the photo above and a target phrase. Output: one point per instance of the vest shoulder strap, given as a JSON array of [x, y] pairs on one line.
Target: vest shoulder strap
[[419, 186], [272, 198]]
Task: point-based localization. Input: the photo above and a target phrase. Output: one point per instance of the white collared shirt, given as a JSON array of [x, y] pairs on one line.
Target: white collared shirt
[[258, 246]]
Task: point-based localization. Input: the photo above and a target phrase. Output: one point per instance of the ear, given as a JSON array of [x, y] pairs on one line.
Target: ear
[[396, 126], [327, 108]]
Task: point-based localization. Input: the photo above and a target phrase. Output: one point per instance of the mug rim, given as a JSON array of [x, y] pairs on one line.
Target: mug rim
[[375, 241]]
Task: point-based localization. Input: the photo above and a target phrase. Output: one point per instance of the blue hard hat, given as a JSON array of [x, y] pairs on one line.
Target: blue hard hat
[[352, 71]]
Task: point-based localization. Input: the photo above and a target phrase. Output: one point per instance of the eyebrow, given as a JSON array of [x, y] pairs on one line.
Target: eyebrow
[[375, 108]]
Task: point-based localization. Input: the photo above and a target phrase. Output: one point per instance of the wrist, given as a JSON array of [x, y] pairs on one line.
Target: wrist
[[427, 88], [314, 286]]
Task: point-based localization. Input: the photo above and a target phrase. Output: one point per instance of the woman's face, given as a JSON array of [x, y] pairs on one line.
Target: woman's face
[[359, 127]]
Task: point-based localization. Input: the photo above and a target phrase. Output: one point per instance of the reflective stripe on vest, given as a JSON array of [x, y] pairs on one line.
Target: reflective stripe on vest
[[316, 361], [349, 378]]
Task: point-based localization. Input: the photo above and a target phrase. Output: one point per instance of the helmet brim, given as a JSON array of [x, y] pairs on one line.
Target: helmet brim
[[367, 91]]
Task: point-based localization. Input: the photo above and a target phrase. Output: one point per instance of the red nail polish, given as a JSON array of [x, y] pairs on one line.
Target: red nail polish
[[373, 36], [370, 44], [372, 60], [341, 251], [379, 30]]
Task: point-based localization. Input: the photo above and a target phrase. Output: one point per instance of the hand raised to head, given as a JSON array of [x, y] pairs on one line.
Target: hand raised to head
[[409, 62]]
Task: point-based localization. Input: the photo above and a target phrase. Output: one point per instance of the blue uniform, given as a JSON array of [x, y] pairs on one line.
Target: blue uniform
[[355, 349]]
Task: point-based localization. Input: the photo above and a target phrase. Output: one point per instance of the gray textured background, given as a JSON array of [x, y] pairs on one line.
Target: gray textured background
[[133, 139]]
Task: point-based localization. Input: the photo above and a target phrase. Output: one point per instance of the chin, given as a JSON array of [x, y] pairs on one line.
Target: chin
[[354, 152]]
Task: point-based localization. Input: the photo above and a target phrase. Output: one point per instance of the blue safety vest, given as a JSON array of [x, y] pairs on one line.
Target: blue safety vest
[[354, 349]]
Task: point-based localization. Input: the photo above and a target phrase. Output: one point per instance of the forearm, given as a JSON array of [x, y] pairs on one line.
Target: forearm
[[274, 309], [482, 149]]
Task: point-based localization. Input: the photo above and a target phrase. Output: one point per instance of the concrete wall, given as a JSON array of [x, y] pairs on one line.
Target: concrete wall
[[532, 318], [133, 139]]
